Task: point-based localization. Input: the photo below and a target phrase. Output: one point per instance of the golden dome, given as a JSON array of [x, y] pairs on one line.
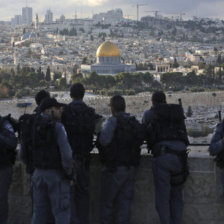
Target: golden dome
[[108, 49]]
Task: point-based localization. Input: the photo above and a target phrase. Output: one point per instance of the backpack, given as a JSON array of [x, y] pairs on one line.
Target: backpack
[[167, 124], [124, 149], [219, 158], [45, 149], [26, 123], [79, 121], [7, 155]]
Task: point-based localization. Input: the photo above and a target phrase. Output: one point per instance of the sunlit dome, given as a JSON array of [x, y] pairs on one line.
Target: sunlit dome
[[108, 49]]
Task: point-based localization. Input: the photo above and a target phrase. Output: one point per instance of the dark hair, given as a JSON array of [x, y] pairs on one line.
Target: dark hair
[[41, 95], [77, 91], [158, 97], [118, 103], [48, 103]]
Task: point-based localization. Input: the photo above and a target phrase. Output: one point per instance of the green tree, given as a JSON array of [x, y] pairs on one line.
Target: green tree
[[62, 83], [84, 61], [219, 60], [172, 79], [74, 69], [18, 69], [189, 112], [57, 75], [191, 79], [175, 64], [73, 32], [209, 71], [77, 78], [40, 74], [48, 74]]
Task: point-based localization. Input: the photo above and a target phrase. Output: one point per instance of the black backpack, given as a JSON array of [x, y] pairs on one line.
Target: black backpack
[[45, 150], [79, 121], [219, 159], [125, 147], [26, 123], [167, 124], [7, 155]]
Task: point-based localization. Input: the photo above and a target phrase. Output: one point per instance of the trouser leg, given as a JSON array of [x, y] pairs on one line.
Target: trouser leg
[[82, 194], [176, 203], [41, 202], [50, 219], [74, 216], [109, 189], [162, 192], [125, 198], [59, 193], [5, 181]]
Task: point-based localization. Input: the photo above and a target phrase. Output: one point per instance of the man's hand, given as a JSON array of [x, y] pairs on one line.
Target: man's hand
[[72, 182]]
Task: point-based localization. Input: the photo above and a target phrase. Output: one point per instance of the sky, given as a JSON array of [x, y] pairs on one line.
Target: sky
[[86, 8]]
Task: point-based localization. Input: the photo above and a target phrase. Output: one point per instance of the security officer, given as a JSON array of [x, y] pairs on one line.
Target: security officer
[[217, 147], [42, 94], [119, 145], [26, 121], [8, 143], [52, 159], [80, 122], [25, 149], [169, 162]]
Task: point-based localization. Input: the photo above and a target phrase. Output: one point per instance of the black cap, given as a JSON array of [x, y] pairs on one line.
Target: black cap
[[48, 103]]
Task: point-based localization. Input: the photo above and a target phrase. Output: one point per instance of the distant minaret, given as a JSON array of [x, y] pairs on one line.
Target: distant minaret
[[36, 22], [16, 58], [12, 41], [76, 15]]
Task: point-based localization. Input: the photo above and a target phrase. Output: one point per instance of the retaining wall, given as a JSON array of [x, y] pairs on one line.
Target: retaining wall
[[203, 194]]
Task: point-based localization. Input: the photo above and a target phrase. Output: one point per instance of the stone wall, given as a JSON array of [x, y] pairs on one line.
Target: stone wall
[[203, 194]]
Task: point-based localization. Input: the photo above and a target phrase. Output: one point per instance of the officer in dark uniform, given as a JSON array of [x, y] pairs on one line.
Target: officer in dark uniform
[[80, 122], [167, 166], [8, 144], [27, 118], [52, 160], [119, 145], [24, 153], [42, 94], [217, 147]]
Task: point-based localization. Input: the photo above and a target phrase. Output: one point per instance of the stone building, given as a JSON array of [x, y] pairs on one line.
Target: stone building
[[108, 61], [162, 68]]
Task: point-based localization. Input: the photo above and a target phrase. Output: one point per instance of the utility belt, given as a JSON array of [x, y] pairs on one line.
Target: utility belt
[[113, 168], [161, 150], [179, 178]]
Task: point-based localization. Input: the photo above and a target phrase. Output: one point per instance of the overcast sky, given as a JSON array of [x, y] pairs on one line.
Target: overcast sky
[[86, 8]]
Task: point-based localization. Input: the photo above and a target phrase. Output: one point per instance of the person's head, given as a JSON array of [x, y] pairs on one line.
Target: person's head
[[51, 106], [41, 95], [77, 91], [117, 104], [62, 107], [158, 97]]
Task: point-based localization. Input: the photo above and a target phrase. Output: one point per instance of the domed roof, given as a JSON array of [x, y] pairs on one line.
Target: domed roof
[[25, 36], [28, 36], [108, 49]]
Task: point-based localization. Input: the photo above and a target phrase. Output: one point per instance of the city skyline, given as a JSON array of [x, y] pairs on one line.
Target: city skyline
[[86, 8]]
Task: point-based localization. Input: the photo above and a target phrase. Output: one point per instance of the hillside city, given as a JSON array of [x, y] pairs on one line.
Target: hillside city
[[59, 48]]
